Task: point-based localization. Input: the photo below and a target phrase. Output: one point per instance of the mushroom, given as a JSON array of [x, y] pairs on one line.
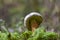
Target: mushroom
[[32, 21]]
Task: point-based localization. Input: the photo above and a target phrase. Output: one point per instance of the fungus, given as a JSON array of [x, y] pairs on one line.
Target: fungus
[[32, 21]]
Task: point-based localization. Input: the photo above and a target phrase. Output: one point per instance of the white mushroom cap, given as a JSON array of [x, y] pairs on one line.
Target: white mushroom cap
[[31, 16]]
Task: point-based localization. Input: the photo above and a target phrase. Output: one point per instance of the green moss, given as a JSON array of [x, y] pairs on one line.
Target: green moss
[[38, 34]]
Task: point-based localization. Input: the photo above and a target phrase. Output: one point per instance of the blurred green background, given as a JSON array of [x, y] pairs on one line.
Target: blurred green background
[[12, 13]]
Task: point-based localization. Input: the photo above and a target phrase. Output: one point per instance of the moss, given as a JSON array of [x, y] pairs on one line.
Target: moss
[[38, 34]]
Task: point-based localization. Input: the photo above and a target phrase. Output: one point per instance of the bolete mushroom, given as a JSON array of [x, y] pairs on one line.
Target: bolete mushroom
[[32, 21]]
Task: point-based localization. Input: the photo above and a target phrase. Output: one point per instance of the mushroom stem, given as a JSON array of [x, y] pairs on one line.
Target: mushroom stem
[[33, 29], [34, 25]]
